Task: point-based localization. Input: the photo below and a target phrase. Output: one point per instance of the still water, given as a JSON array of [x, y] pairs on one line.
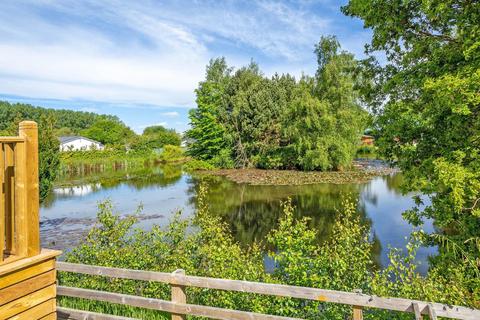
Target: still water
[[251, 211]]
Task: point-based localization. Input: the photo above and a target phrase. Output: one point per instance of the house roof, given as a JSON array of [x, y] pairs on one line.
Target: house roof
[[67, 139]]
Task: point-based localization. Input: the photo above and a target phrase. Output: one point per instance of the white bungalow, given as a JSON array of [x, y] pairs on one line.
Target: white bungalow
[[78, 143]]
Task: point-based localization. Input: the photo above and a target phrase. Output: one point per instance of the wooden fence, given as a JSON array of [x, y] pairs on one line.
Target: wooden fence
[[19, 219], [179, 307]]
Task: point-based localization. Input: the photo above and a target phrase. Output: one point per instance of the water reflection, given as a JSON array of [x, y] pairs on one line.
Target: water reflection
[[251, 211]]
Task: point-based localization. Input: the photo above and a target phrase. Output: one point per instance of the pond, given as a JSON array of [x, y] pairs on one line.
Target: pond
[[251, 211]]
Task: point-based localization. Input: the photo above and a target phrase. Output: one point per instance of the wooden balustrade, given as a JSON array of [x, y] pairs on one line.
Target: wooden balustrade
[[27, 273], [19, 219], [179, 307]]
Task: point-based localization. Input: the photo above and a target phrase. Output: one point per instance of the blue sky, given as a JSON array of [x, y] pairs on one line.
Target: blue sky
[[142, 60]]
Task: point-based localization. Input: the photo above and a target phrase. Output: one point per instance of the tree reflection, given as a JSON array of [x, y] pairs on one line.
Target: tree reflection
[[253, 211]]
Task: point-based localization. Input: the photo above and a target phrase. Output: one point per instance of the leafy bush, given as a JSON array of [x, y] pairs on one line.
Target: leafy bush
[[158, 136], [109, 132], [366, 149], [194, 165], [49, 158], [204, 246], [223, 159], [172, 154]]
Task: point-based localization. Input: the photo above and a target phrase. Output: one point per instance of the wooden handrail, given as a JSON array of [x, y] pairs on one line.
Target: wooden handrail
[[11, 139], [357, 300], [174, 308]]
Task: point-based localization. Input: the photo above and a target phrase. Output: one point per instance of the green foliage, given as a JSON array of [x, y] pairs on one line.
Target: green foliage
[[49, 155], [204, 246], [158, 136], [48, 148], [428, 120], [108, 155], [342, 263], [195, 164], [108, 132], [206, 136], [75, 121], [172, 154], [209, 252], [244, 119], [223, 159]]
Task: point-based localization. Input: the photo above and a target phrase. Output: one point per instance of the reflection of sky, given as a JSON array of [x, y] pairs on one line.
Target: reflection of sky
[[126, 199], [387, 221]]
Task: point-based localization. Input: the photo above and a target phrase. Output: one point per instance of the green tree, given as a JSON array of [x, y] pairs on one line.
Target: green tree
[[206, 138], [49, 154], [325, 120], [158, 136], [74, 120], [108, 132], [64, 131], [245, 119], [48, 148], [427, 96]]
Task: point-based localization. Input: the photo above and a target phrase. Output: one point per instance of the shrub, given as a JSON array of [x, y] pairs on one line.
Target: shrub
[[223, 160], [194, 165], [204, 246], [171, 154]]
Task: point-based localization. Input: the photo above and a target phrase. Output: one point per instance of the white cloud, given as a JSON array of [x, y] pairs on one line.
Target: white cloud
[[44, 59], [146, 52], [170, 114]]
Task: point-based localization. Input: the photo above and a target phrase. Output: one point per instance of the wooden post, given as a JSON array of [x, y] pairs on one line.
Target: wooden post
[[416, 310], [27, 185], [9, 196], [357, 313], [431, 312], [178, 295], [2, 201], [357, 310]]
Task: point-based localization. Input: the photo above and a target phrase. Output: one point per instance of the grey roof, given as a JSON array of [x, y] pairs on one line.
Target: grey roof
[[66, 139]]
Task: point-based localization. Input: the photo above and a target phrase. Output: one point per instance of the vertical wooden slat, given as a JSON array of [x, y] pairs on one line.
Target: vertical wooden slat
[[178, 295], [431, 312], [2, 203], [21, 227], [357, 313], [29, 131], [416, 310], [9, 194]]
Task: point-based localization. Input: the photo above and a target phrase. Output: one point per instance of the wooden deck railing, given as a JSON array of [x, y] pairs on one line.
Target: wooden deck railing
[[19, 219], [179, 307], [27, 273]]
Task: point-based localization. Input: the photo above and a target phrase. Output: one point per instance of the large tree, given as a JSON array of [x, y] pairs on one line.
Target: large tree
[[427, 95], [245, 119], [207, 137]]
